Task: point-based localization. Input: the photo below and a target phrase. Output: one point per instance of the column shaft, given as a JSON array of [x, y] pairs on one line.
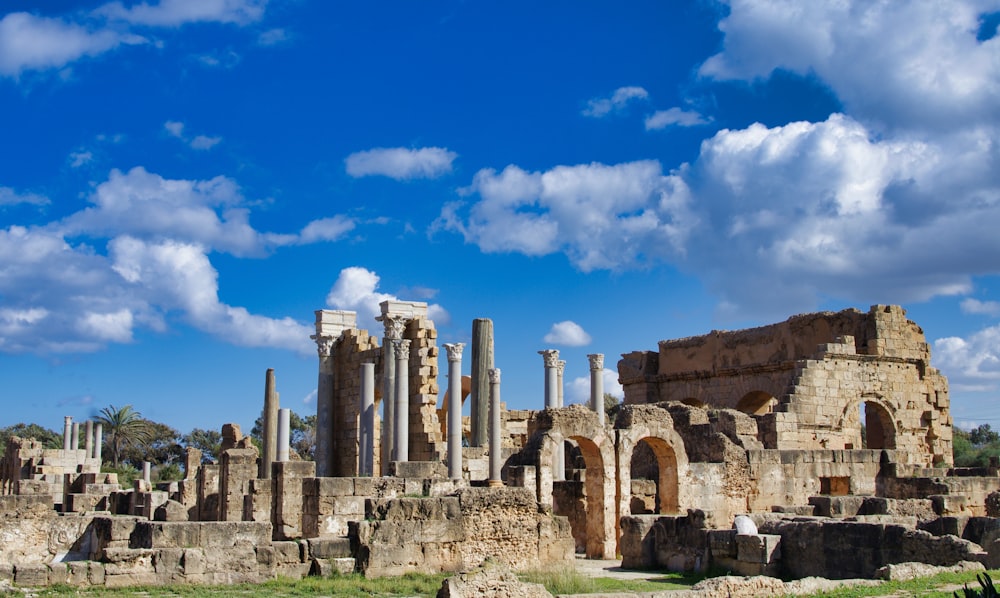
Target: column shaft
[[67, 432], [482, 362], [74, 438], [454, 409], [270, 439], [366, 459], [496, 460], [402, 442], [284, 434], [98, 442], [88, 438], [597, 384]]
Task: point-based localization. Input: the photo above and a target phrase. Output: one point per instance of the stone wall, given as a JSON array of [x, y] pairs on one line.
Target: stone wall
[[352, 349]]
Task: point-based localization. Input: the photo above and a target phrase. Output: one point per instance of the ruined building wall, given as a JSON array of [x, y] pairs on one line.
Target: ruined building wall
[[426, 442], [353, 348], [807, 379]]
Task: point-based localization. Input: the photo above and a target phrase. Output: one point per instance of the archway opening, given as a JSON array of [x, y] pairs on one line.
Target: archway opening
[[879, 431], [654, 477], [580, 497], [756, 403]]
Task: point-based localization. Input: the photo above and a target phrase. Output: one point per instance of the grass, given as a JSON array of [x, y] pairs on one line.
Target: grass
[[570, 581], [941, 585]]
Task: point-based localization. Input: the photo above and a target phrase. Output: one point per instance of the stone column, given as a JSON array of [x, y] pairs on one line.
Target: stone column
[[146, 471], [496, 460], [324, 405], [454, 351], [98, 442], [551, 359], [270, 436], [401, 350], [482, 362], [67, 432], [597, 385], [366, 460], [284, 434], [394, 326], [560, 369], [74, 436], [88, 438]]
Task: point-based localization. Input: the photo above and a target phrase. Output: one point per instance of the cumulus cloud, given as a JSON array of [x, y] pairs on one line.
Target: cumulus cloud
[[272, 37], [29, 42], [914, 65], [567, 333], [172, 13], [204, 142], [401, 163], [199, 142], [9, 197], [79, 158], [356, 289], [578, 389], [662, 119], [601, 216], [619, 100], [972, 363], [975, 306], [144, 263]]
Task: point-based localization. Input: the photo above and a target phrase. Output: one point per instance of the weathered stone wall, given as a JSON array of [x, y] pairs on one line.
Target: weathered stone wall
[[791, 477], [353, 348], [806, 380]]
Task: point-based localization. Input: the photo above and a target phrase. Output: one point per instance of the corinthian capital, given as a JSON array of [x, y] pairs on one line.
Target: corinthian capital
[[596, 361], [324, 345], [401, 349], [550, 357], [454, 351], [394, 326]]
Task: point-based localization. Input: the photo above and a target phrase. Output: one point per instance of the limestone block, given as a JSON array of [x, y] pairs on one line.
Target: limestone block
[[6, 572], [328, 548], [78, 573], [335, 486], [288, 552], [349, 505], [58, 573], [167, 562], [31, 575], [364, 486], [193, 561], [95, 573], [762, 548]]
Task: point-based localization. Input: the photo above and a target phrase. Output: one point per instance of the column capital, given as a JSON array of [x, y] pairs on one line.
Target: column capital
[[324, 344], [494, 375], [561, 366], [454, 351], [394, 326], [596, 361], [401, 349], [550, 356]]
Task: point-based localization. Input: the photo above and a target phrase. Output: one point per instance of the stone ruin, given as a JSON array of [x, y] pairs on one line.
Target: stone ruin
[[826, 438]]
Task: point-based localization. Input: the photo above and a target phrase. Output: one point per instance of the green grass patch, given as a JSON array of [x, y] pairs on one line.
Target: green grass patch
[[941, 585], [570, 581]]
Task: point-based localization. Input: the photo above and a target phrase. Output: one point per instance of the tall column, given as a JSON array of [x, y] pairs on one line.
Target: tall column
[[551, 359], [284, 434], [270, 439], [146, 472], [88, 438], [74, 436], [324, 405], [454, 351], [366, 459], [597, 385], [394, 326], [98, 441], [482, 362], [560, 370], [496, 461], [402, 442], [67, 432]]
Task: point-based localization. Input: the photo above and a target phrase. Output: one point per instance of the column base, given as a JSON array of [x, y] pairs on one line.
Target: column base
[[496, 484]]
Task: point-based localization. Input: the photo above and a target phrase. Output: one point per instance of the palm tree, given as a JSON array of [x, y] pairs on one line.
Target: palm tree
[[122, 428]]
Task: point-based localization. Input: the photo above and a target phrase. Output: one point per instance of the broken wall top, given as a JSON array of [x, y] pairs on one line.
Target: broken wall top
[[883, 331]]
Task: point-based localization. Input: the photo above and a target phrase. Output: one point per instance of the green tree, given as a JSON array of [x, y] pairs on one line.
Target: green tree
[[302, 434], [123, 428], [162, 447], [48, 438], [207, 441], [612, 405]]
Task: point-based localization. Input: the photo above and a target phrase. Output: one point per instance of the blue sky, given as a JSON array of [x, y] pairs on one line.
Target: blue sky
[[183, 182]]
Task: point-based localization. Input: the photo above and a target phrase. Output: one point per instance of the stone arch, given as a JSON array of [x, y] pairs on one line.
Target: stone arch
[[872, 416], [581, 426], [756, 402]]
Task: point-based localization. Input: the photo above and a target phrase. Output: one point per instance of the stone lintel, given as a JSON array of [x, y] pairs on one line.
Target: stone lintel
[[405, 309], [332, 322]]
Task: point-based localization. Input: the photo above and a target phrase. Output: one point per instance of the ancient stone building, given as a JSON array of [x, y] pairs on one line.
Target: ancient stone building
[[813, 381]]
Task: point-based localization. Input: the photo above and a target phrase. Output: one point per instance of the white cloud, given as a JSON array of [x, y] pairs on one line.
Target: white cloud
[[619, 100], [912, 64], [662, 119], [78, 159], [356, 289], [578, 390], [602, 216], [272, 37], [973, 363], [326, 229], [975, 306], [203, 142], [29, 42], [567, 333], [174, 128], [173, 13], [9, 197], [401, 163]]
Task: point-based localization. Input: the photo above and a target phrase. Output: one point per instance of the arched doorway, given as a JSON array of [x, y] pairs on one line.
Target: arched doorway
[[756, 403], [581, 497], [879, 432], [655, 461]]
